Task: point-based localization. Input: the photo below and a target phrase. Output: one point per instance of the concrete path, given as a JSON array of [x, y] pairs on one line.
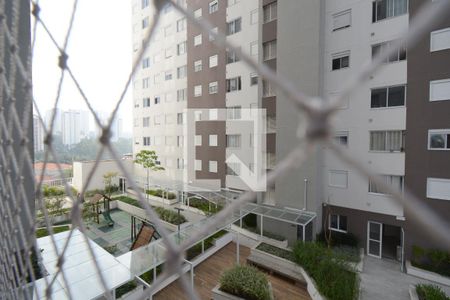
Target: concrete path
[[382, 279]]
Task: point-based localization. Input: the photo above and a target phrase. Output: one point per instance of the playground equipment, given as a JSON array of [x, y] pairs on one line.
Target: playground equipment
[[96, 201], [144, 236]]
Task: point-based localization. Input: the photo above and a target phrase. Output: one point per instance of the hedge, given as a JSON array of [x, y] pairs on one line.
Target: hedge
[[205, 205], [44, 232], [283, 253], [160, 193], [339, 239], [330, 272], [245, 282]]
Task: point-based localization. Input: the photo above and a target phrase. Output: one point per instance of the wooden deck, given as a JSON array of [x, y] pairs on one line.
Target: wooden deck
[[207, 275]]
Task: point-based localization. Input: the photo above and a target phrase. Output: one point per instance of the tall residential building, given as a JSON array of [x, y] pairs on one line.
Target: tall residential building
[[317, 45], [38, 135], [75, 126], [57, 127]]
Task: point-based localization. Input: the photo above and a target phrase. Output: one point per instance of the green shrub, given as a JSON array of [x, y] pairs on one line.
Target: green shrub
[[41, 232], [249, 220], [205, 205], [430, 292], [92, 193], [196, 250], [148, 276], [283, 253], [160, 193], [123, 289], [246, 282], [333, 279], [128, 200], [433, 260], [339, 239]]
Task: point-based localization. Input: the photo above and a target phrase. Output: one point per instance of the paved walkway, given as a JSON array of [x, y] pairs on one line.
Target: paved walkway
[[382, 279]]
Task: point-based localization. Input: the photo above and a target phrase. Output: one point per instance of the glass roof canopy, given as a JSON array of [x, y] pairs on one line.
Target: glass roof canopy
[[83, 280]]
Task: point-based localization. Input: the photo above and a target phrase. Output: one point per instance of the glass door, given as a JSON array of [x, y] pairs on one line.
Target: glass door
[[374, 238]]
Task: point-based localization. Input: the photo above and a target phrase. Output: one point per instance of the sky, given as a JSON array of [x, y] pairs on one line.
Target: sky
[[100, 56]]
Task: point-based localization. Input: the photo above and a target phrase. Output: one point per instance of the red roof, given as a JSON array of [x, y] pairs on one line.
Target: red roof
[[51, 166]]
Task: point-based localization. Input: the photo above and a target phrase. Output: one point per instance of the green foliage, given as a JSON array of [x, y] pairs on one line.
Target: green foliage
[[167, 215], [54, 206], [170, 216], [148, 276], [245, 282], [249, 220], [205, 206], [123, 289], [86, 149], [430, 292], [209, 242], [92, 193], [148, 158], [41, 232], [108, 178], [339, 238], [162, 194], [433, 260], [332, 277], [52, 191], [280, 252]]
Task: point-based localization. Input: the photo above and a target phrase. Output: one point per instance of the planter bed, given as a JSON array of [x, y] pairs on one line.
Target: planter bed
[[275, 264], [428, 275], [258, 237], [217, 294], [193, 209]]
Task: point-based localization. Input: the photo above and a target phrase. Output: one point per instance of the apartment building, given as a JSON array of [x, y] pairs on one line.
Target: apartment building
[[38, 135], [427, 163]]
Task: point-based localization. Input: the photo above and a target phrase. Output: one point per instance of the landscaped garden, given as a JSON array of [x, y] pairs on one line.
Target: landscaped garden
[[204, 205], [41, 232], [196, 250], [161, 193], [249, 222]]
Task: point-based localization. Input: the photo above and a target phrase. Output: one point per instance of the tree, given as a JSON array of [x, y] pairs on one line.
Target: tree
[[107, 180], [148, 158]]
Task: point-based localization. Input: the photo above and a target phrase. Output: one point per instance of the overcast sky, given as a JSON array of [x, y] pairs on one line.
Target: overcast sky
[[99, 52]]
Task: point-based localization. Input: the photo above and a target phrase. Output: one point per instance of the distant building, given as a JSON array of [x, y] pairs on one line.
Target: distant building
[[72, 125], [38, 135]]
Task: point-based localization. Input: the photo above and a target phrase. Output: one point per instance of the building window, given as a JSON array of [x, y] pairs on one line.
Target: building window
[[198, 140], [440, 90], [234, 84], [253, 79], [181, 25], [382, 48], [338, 178], [180, 118], [213, 114], [213, 87], [181, 48], [270, 50], [146, 83], [197, 91], [213, 60], [232, 57], [395, 181], [387, 141], [213, 6], [144, 3], [146, 122], [145, 22], [383, 9], [341, 138], [157, 99], [211, 36], [180, 163], [234, 113], [168, 75], [440, 40], [181, 72], [180, 141], [198, 115], [438, 188], [212, 166], [338, 223], [268, 89], [233, 141], [233, 169], [146, 102], [181, 95], [270, 12], [439, 139], [198, 165], [198, 13], [146, 141], [146, 63], [234, 26], [388, 96], [254, 17], [197, 65], [340, 61], [168, 53], [198, 40], [213, 140], [342, 20], [254, 48]]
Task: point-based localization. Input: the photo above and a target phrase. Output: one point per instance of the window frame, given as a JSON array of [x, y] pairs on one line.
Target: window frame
[[330, 172], [238, 84], [340, 56], [338, 229], [214, 87], [402, 181], [375, 11], [342, 13], [213, 6], [445, 132], [237, 144], [232, 26], [387, 88], [436, 32], [386, 141], [270, 9], [269, 50]]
